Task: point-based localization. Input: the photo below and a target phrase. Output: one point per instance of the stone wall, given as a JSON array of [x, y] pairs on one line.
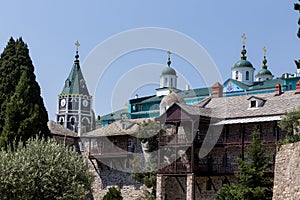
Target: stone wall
[[287, 173], [107, 177]]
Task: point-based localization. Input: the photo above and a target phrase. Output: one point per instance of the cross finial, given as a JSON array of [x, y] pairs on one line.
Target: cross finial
[[265, 51], [169, 54], [244, 38], [169, 59], [77, 44]]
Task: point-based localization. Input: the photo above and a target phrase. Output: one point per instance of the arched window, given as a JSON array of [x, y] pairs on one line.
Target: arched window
[[236, 75], [247, 75]]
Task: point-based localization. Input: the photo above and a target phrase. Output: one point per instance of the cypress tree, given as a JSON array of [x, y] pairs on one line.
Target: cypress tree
[[23, 113]]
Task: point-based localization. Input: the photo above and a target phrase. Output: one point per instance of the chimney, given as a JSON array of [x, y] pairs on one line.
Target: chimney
[[217, 90], [187, 87], [297, 88], [278, 90]]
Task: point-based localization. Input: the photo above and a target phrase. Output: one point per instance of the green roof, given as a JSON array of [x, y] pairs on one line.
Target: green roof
[[242, 63], [267, 84], [194, 93], [75, 83], [117, 115], [153, 99], [168, 71], [264, 72]]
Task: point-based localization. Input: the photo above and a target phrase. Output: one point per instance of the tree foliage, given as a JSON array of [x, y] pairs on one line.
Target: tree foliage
[[23, 113], [43, 170], [253, 181], [290, 122], [113, 194]]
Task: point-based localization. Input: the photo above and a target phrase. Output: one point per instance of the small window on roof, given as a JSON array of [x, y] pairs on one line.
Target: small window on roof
[[252, 103], [236, 75]]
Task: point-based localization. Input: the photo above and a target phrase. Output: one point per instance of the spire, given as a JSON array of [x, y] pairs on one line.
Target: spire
[[243, 52], [264, 60], [169, 59], [77, 44]]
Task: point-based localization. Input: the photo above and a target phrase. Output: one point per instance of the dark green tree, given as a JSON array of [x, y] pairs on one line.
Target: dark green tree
[[43, 170], [23, 113], [253, 181], [291, 122], [113, 194]]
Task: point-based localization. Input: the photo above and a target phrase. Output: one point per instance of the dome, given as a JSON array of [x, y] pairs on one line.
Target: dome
[[242, 63], [264, 72], [172, 98], [168, 71]]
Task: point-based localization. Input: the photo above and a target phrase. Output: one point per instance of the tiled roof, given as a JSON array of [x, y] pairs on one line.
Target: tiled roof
[[238, 106], [58, 129], [117, 128]]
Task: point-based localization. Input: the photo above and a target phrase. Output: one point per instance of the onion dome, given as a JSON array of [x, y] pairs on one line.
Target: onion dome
[[264, 69], [168, 70], [243, 62]]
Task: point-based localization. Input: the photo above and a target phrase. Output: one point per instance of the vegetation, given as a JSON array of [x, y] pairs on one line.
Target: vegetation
[[43, 170], [290, 123], [148, 135], [253, 182], [113, 194], [22, 111]]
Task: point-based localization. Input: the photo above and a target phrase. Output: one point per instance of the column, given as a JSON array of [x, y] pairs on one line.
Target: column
[[160, 187], [190, 186]]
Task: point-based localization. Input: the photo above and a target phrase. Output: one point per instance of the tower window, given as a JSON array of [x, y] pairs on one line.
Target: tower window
[[67, 83], [236, 75], [247, 75]]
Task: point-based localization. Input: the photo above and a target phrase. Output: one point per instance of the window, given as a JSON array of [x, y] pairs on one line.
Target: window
[[236, 75], [290, 86], [252, 104], [247, 75]]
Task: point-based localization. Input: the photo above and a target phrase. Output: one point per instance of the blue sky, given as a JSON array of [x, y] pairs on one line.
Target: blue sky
[[50, 28]]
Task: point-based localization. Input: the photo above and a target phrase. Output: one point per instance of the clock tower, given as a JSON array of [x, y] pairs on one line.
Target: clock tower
[[75, 102]]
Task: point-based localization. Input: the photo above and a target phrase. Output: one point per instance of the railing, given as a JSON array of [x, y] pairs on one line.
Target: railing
[[205, 169], [110, 152]]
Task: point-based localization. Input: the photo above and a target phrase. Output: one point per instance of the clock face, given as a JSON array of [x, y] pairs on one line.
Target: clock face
[[63, 102], [85, 103]]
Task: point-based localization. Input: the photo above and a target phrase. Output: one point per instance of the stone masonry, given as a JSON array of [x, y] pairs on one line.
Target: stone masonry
[[287, 173]]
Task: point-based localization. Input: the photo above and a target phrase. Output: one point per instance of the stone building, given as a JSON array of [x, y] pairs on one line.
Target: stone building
[[115, 153], [200, 144]]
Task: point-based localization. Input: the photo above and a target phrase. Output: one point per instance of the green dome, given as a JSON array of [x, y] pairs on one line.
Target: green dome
[[168, 71], [243, 63], [264, 72]]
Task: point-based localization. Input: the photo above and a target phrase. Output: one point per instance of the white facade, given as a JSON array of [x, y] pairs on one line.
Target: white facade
[[243, 74]]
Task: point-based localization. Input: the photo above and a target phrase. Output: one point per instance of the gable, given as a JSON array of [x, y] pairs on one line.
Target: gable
[[233, 86]]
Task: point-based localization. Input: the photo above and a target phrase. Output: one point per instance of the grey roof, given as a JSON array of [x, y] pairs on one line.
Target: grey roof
[[172, 98], [238, 106], [117, 128], [57, 129]]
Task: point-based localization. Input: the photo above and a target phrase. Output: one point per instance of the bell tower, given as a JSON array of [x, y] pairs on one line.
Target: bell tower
[[75, 102]]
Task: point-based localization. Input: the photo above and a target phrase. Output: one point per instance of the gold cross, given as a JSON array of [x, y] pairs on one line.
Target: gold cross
[[265, 51], [77, 44], [169, 53], [244, 38]]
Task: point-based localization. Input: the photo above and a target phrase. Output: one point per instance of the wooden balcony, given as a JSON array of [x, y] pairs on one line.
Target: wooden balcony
[[110, 152]]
